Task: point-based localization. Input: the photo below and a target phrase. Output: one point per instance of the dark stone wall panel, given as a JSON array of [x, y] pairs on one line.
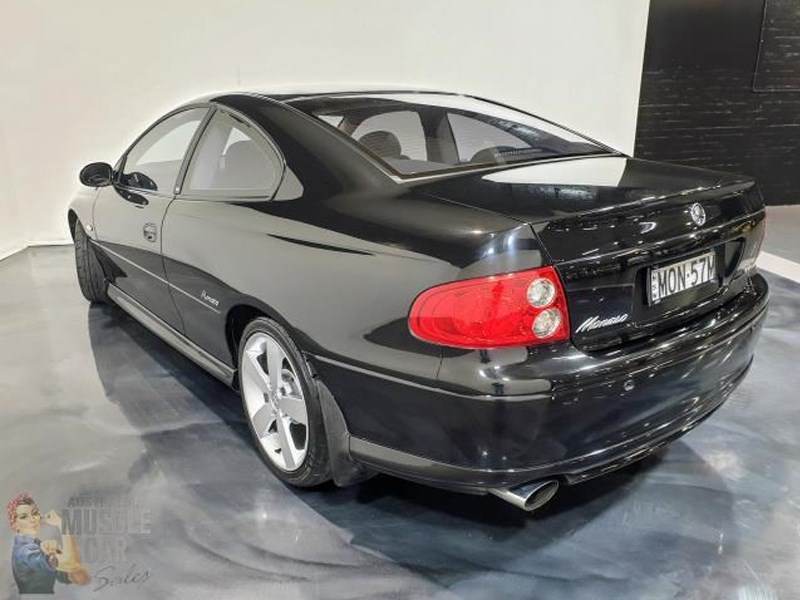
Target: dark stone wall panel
[[698, 110], [778, 67]]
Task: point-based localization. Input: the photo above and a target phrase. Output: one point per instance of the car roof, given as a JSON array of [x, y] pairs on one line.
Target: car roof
[[288, 94]]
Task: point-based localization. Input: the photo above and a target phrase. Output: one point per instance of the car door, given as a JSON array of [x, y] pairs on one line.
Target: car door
[[129, 214], [233, 168]]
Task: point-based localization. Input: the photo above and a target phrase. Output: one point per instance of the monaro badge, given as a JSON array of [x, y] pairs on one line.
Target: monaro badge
[[698, 214], [596, 322]]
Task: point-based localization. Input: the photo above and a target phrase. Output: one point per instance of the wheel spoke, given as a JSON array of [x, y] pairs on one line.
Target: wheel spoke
[[262, 419], [274, 364], [295, 409], [287, 447], [259, 377]]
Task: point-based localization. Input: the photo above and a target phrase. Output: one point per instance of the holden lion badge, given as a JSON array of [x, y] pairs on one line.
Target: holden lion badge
[[698, 214]]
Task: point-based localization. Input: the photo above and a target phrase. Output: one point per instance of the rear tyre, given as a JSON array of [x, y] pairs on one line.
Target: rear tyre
[[94, 286], [282, 406]]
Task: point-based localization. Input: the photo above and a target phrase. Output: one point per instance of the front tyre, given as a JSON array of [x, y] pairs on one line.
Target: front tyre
[[282, 406], [90, 274]]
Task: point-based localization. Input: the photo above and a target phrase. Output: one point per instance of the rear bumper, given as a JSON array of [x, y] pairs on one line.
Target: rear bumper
[[583, 414], [570, 471]]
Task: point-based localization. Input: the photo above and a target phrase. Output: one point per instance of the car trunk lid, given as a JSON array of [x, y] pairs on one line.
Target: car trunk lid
[[613, 225]]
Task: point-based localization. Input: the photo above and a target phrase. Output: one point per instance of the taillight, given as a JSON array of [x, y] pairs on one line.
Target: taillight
[[515, 309]]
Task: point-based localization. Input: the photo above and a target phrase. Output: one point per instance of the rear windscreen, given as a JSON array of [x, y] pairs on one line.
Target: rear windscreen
[[424, 133]]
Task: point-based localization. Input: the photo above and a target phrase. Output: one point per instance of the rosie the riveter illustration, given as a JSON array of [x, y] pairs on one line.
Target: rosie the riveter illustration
[[36, 563]]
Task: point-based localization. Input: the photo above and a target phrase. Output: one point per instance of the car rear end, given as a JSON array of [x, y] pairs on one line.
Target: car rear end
[[659, 309]]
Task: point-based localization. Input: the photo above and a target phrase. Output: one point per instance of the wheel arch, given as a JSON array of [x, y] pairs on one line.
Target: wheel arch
[[72, 220], [243, 312], [344, 470]]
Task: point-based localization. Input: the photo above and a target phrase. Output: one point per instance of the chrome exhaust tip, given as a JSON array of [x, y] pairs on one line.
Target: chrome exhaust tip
[[528, 496]]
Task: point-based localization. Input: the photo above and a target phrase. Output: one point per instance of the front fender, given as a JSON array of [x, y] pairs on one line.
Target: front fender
[[82, 209]]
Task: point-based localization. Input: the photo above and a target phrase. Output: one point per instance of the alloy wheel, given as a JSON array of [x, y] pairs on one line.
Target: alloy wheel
[[274, 401]]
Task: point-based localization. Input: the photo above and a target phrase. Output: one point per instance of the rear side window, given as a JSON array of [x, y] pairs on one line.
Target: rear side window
[[233, 159], [332, 120], [154, 161]]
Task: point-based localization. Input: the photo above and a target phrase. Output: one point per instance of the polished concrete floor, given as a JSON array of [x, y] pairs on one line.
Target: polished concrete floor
[[150, 461], [783, 232]]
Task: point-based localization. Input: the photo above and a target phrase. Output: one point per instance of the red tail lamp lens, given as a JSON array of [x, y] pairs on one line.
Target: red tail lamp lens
[[515, 309]]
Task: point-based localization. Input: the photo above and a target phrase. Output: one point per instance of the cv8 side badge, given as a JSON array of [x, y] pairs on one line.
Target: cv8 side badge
[[212, 301]]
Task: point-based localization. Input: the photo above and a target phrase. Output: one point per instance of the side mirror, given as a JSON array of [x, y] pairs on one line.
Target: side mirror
[[98, 174]]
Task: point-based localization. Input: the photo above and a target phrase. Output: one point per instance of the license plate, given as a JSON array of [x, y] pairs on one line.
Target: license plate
[[681, 276]]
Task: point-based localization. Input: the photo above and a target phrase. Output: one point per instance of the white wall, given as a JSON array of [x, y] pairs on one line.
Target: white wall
[[13, 236], [80, 79]]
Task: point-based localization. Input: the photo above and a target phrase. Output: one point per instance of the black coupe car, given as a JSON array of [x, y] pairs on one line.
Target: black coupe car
[[429, 285]]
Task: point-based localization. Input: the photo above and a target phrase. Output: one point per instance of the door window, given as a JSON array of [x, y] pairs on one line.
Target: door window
[[153, 163], [233, 160]]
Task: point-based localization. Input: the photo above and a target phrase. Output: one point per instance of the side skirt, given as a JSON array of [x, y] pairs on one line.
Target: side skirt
[[175, 339]]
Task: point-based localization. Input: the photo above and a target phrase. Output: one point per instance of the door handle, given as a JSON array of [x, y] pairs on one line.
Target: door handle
[[150, 232]]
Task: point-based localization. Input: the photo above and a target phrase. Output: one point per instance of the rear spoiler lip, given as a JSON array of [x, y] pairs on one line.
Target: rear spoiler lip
[[727, 184], [615, 255], [714, 191]]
